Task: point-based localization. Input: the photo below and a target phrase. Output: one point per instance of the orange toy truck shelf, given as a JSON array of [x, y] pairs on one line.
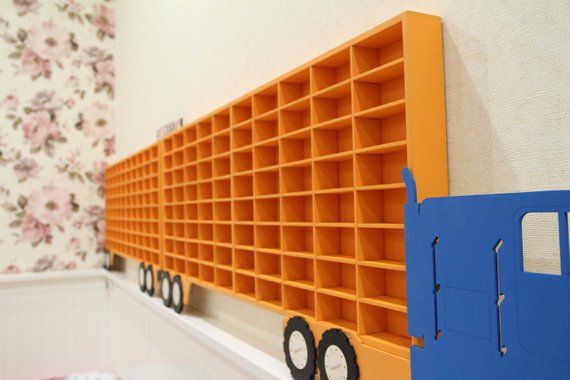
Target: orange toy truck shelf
[[291, 197]]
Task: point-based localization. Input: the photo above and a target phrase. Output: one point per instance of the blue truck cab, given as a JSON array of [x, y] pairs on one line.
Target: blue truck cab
[[476, 310]]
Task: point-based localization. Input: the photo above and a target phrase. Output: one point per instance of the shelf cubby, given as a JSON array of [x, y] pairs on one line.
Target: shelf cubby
[[242, 136], [266, 155], [301, 301], [223, 256], [243, 235], [334, 174], [205, 191], [189, 134], [222, 189], [381, 248], [266, 210], [297, 209], [242, 161], [382, 287], [191, 250], [243, 210], [376, 169], [295, 147], [268, 264], [295, 116], [223, 211], [334, 207], [335, 243], [266, 183], [191, 230], [190, 154], [295, 179], [264, 130], [190, 212], [378, 50], [207, 273], [378, 132], [331, 70], [204, 129], [265, 100], [245, 285], [221, 121], [205, 232], [331, 141], [294, 87], [336, 278], [267, 237], [221, 167], [190, 173], [205, 170], [332, 105], [336, 310], [384, 328], [244, 260], [297, 239], [269, 292], [224, 279], [369, 95], [380, 206], [241, 111], [192, 269], [299, 271], [221, 144], [243, 186], [223, 233], [206, 252]]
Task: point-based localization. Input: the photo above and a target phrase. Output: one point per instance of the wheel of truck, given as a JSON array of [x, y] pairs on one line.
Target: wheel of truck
[[166, 289], [149, 280], [337, 359], [299, 349], [177, 296], [142, 277]]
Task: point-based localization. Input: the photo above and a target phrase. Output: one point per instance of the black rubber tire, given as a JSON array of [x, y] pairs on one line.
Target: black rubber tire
[[142, 283], [149, 287], [177, 281], [338, 338], [166, 298], [308, 372]]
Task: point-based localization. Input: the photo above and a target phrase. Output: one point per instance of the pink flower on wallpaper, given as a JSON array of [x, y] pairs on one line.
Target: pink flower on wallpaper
[[26, 6], [33, 65], [104, 19], [109, 145], [95, 218], [10, 102], [105, 74], [51, 205], [98, 174], [39, 129], [50, 41], [97, 121], [11, 269], [34, 231], [74, 244], [25, 169], [46, 101]]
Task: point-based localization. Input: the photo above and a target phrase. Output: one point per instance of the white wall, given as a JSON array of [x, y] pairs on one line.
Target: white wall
[[507, 68]]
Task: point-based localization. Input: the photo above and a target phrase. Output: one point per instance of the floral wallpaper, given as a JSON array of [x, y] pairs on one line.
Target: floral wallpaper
[[56, 131]]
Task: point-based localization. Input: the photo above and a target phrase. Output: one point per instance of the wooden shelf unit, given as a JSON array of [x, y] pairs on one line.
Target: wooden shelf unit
[[132, 213], [292, 195]]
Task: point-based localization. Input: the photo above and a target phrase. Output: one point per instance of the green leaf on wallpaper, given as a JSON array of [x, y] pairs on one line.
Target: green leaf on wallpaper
[[28, 110], [22, 201], [22, 35], [15, 224], [14, 55]]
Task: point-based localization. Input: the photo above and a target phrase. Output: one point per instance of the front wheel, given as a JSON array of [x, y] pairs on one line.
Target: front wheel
[[177, 294], [142, 277], [337, 359], [166, 289], [149, 280], [299, 349]]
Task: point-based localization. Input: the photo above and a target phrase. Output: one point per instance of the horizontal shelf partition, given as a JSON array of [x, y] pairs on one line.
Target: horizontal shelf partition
[[292, 195]]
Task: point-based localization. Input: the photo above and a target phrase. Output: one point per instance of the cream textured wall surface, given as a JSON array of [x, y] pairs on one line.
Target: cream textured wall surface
[[507, 72]]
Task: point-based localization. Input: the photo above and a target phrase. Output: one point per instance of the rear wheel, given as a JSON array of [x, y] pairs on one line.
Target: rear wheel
[[142, 277], [177, 294], [166, 289], [337, 359], [299, 348], [149, 280]]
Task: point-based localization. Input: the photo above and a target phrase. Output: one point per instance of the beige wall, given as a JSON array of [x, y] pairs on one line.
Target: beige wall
[[507, 68]]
